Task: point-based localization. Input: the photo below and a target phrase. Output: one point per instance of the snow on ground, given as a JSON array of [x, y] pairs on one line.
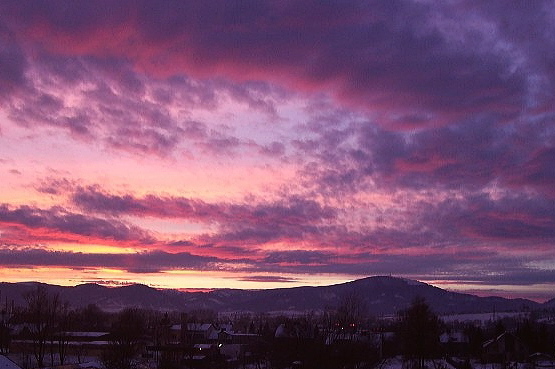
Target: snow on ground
[[483, 317], [397, 362]]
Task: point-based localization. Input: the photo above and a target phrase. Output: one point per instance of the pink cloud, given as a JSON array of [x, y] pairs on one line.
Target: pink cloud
[[375, 55], [56, 223]]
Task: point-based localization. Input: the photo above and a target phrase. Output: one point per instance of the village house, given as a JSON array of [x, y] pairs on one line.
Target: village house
[[455, 342], [503, 349]]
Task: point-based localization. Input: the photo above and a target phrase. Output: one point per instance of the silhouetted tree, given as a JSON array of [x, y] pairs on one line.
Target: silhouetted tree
[[476, 338], [419, 333], [63, 322], [351, 312], [91, 318], [40, 313], [125, 334], [343, 322], [534, 335], [5, 338]]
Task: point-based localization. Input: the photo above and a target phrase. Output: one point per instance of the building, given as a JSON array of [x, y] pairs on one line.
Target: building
[[504, 348]]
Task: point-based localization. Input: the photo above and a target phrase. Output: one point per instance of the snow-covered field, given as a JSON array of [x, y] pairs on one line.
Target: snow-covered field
[[483, 317], [397, 362]]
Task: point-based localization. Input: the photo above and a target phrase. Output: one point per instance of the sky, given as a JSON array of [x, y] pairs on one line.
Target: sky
[[265, 144]]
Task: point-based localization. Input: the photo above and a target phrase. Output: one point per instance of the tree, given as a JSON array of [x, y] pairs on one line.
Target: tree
[[41, 314], [349, 315], [125, 334], [351, 312], [4, 331], [343, 340], [63, 318], [91, 318], [419, 333]]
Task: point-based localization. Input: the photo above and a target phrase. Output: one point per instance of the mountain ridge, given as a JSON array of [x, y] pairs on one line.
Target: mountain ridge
[[382, 295]]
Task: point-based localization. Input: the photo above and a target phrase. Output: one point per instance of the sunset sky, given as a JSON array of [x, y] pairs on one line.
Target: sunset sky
[[264, 144]]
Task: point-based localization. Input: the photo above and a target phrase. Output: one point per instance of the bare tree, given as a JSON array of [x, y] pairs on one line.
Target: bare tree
[[347, 318], [126, 334], [5, 330], [40, 314], [351, 312], [63, 317]]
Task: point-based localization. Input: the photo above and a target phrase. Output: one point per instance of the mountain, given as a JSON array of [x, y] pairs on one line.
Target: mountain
[[549, 304], [381, 295]]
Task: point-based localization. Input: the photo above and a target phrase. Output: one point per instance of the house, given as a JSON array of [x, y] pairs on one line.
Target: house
[[203, 355], [455, 342], [238, 338], [84, 344], [174, 334], [541, 361], [237, 345], [504, 348], [78, 344], [197, 332], [191, 333]]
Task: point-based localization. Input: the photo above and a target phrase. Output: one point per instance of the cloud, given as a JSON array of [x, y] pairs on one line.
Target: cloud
[[509, 218], [59, 223], [400, 135], [518, 276], [94, 100], [273, 149], [365, 53], [287, 212], [268, 278], [475, 154], [430, 221], [298, 257], [89, 103], [289, 219], [146, 262], [12, 62], [55, 186]]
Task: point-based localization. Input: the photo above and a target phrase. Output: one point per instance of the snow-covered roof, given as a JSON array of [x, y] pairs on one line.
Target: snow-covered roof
[[281, 331], [91, 364], [198, 326], [203, 346], [233, 334], [456, 337], [6, 363], [86, 334], [213, 335], [228, 327]]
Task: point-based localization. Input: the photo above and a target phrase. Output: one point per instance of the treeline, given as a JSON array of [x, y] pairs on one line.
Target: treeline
[[342, 337]]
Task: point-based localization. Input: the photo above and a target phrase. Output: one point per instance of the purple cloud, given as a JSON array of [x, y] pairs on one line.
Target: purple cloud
[[509, 218], [288, 211], [291, 218], [55, 186], [298, 257], [61, 220], [369, 52], [414, 129], [268, 278], [471, 155], [12, 62], [146, 262]]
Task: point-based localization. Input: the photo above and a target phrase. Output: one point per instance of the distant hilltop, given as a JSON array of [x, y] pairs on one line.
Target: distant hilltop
[[380, 295]]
